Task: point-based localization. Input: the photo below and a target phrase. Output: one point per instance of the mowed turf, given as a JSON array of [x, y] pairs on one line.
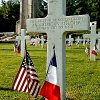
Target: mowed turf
[[82, 75]]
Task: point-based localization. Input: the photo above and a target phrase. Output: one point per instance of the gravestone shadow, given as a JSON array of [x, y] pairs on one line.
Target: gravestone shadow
[[6, 49], [97, 59], [6, 89], [38, 50], [66, 99], [69, 99]]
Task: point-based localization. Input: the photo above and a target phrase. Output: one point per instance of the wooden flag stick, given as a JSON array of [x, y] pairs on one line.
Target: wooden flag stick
[[26, 70], [28, 96], [28, 84], [28, 87]]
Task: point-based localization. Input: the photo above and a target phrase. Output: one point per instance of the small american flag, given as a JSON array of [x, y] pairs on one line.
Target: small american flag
[[27, 79]]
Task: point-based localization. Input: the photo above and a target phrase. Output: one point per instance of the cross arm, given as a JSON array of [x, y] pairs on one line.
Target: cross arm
[[64, 23], [86, 36], [18, 38], [27, 37], [97, 36]]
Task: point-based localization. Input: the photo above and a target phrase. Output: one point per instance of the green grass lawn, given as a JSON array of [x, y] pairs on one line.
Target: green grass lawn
[[82, 75]]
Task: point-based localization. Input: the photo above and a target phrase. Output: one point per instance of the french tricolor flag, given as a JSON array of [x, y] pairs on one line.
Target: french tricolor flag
[[51, 88], [94, 51]]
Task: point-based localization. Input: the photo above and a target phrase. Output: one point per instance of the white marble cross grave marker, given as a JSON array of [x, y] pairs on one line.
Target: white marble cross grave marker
[[87, 41], [32, 41], [93, 36], [37, 41], [70, 40], [78, 41], [42, 41], [18, 44], [84, 40], [23, 38], [55, 24], [18, 40]]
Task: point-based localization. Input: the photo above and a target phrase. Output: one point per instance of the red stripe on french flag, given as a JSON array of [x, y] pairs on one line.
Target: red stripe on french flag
[[94, 52], [50, 91]]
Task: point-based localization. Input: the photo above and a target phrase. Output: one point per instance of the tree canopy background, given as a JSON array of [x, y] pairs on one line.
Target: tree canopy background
[[9, 11], [9, 14]]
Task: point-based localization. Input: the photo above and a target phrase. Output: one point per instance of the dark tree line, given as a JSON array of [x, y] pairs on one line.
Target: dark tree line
[[91, 7], [9, 11], [9, 14]]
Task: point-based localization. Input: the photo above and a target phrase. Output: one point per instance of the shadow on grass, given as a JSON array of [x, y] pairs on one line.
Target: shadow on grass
[[9, 89], [66, 99], [38, 50], [6, 89], [69, 99], [97, 59], [6, 49], [79, 48]]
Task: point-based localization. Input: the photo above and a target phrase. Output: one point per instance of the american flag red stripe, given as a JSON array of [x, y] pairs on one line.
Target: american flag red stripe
[[22, 87], [27, 79], [20, 79]]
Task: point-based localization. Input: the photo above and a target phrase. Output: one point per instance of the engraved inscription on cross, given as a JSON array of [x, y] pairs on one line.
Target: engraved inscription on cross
[[55, 24]]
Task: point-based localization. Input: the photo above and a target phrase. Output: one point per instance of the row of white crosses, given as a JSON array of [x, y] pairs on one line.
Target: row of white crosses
[[37, 41], [21, 40], [93, 36], [55, 24], [85, 41], [70, 40], [42, 41], [78, 41]]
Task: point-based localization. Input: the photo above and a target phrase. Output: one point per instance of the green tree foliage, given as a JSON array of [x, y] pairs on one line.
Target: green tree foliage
[[41, 11], [9, 11], [91, 7], [9, 14], [70, 7]]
